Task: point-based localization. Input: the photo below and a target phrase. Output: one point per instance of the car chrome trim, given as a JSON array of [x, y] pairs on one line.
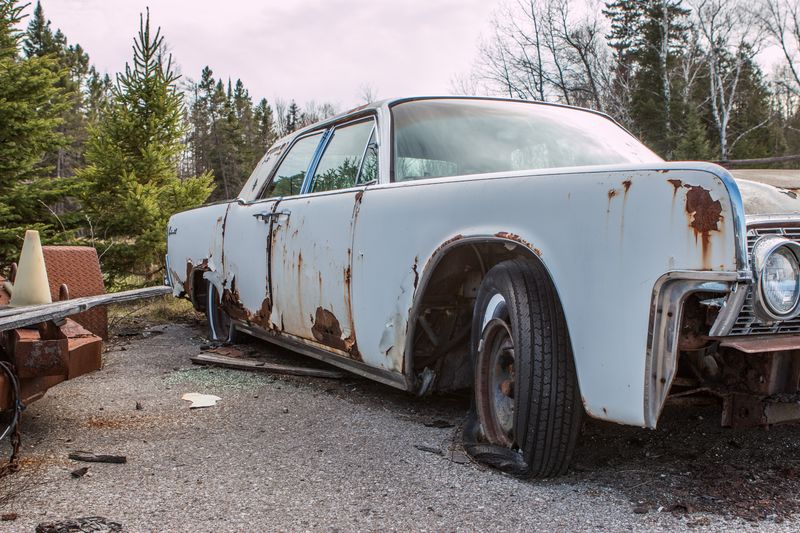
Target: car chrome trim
[[666, 311], [730, 310], [739, 220]]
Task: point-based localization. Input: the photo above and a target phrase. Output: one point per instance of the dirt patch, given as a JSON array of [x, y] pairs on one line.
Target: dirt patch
[[122, 422], [691, 464]]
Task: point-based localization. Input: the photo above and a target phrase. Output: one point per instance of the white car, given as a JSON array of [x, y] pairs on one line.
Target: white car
[[536, 253]]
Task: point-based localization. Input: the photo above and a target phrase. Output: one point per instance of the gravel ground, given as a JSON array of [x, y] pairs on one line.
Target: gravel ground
[[280, 453]]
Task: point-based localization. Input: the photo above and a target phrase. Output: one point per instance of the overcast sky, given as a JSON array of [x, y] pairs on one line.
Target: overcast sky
[[323, 50]]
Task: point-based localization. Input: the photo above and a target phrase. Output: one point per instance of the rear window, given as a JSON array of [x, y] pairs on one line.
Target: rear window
[[436, 138]]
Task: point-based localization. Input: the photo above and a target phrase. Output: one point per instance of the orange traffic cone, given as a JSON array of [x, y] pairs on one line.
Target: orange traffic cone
[[31, 286]]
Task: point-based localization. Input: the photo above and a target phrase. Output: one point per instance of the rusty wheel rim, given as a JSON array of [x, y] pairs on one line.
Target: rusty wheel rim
[[495, 383]]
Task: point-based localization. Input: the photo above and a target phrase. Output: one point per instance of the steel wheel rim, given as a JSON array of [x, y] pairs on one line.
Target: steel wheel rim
[[496, 383]]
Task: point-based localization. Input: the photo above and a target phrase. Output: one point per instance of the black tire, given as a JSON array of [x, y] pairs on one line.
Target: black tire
[[220, 325], [523, 361]]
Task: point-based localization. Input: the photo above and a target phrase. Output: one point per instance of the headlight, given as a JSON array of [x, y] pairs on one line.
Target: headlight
[[776, 263]]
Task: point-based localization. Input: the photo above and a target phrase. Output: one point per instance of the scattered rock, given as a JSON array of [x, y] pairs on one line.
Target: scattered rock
[[9, 517], [94, 524], [429, 449], [80, 472]]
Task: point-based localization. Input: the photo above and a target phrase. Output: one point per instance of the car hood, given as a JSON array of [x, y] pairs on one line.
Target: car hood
[[769, 192]]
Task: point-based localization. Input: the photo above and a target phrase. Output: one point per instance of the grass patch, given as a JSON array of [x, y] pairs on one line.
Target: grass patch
[[153, 311]]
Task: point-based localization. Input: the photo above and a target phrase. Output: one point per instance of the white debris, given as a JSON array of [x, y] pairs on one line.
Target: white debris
[[200, 400]]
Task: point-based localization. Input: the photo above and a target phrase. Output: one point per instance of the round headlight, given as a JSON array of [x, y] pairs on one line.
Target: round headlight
[[781, 282], [776, 262]]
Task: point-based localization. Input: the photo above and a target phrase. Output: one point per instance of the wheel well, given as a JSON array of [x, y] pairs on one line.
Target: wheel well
[[198, 290], [442, 321]]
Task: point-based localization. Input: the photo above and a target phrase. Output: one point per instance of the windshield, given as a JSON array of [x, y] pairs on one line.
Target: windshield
[[435, 138]]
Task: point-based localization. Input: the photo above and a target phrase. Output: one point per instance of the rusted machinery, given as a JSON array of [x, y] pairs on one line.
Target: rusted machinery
[[40, 346]]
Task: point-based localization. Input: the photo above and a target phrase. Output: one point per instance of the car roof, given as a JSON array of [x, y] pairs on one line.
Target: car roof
[[389, 102]]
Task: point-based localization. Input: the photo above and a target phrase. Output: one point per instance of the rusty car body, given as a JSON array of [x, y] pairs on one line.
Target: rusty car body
[[535, 252]]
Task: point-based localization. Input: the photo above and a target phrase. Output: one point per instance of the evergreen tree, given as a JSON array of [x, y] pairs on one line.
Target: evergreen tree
[[648, 36], [292, 118], [30, 115], [71, 64], [265, 123], [228, 134], [132, 186]]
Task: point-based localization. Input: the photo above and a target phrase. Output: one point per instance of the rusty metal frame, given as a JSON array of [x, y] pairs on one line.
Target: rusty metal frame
[[307, 348], [666, 313]]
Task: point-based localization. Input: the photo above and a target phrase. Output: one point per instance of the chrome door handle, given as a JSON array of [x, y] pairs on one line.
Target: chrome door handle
[[267, 215]]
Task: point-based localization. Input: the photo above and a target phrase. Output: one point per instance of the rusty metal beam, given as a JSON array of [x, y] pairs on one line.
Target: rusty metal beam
[[761, 344]]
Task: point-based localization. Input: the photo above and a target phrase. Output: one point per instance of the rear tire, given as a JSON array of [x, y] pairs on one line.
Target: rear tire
[[220, 324], [527, 409]]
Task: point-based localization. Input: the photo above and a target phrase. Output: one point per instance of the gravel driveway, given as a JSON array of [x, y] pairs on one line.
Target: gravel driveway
[[281, 453]]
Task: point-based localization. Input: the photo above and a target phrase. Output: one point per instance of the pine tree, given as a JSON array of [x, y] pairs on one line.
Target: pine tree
[[30, 115], [292, 118], [265, 121], [132, 186], [71, 64], [647, 36]]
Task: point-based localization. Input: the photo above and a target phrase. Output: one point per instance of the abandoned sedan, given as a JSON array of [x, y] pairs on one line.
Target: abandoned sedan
[[538, 254]]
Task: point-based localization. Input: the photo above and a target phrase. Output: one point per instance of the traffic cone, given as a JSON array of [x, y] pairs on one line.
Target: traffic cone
[[31, 286]]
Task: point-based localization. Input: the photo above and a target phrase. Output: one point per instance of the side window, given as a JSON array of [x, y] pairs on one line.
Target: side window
[[369, 167], [261, 172], [288, 179], [340, 163]]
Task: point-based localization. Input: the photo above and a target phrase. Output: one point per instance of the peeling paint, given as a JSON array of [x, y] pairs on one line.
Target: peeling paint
[[705, 212], [677, 184], [447, 243], [513, 237], [232, 305], [328, 331], [704, 216]]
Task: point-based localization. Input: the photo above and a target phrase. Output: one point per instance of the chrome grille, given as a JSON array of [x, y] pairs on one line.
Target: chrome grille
[[747, 323]]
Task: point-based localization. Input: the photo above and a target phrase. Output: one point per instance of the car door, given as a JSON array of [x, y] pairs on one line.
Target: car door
[[246, 241], [312, 249]]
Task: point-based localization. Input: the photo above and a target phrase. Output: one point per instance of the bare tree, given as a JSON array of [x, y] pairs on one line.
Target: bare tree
[[780, 21], [729, 44], [281, 108], [367, 93], [543, 50]]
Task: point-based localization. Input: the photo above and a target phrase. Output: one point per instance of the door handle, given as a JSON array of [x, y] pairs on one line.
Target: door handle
[[267, 215]]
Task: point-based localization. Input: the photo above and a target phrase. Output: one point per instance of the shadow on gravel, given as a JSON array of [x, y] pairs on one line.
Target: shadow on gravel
[[689, 465]]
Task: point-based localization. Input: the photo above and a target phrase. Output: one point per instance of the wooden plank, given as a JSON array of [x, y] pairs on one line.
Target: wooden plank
[[18, 317], [263, 366]]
